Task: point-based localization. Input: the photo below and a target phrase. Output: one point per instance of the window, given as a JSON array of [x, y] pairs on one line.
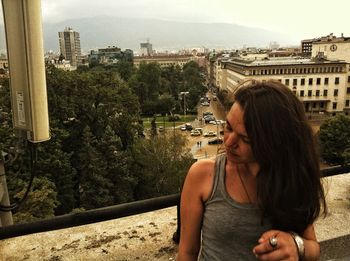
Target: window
[[318, 81], [348, 90], [326, 81], [314, 105], [335, 93], [295, 82], [347, 103], [309, 93], [348, 78], [334, 105], [325, 93], [336, 80], [310, 81], [287, 82], [321, 104], [301, 93], [302, 81], [317, 93]]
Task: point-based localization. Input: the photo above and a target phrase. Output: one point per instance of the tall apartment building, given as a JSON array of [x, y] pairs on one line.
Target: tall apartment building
[[322, 81], [70, 46]]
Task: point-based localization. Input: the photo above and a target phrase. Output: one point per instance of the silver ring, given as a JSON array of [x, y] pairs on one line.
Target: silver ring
[[273, 242]]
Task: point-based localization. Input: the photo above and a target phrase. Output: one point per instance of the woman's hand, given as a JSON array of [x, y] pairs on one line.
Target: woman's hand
[[282, 247]]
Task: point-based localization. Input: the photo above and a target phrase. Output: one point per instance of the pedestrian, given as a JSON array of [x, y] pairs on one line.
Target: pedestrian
[[260, 198], [197, 144]]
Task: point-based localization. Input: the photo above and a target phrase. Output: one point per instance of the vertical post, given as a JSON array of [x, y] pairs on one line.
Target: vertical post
[[185, 104], [5, 217]]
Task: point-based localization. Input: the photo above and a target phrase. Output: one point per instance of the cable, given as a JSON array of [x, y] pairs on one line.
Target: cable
[[33, 165]]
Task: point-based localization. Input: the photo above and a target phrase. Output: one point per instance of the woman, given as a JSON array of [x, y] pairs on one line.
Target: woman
[[259, 199]]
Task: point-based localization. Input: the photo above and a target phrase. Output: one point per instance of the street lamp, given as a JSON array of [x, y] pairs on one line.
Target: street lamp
[[184, 94]]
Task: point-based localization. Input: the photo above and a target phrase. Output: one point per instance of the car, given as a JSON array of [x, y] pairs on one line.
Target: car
[[207, 113], [209, 118], [199, 129], [220, 121], [183, 128], [205, 103], [195, 133], [161, 129], [188, 126], [213, 122], [215, 141], [210, 134]]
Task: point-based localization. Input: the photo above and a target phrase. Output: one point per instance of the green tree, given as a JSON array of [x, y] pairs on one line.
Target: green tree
[[161, 163], [40, 203], [193, 83], [93, 182], [334, 138]]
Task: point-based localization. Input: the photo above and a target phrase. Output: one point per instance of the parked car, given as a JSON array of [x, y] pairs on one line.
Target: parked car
[[207, 113], [199, 129], [161, 129], [215, 141], [220, 121], [210, 134], [213, 122], [209, 118], [188, 126], [195, 133], [205, 103], [183, 128]]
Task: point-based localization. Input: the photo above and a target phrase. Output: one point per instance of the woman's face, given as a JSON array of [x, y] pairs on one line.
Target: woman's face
[[236, 140]]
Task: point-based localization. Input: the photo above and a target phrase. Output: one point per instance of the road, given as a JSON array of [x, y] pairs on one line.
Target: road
[[205, 150]]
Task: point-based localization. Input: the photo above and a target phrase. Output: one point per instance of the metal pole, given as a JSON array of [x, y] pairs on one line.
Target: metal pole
[[5, 217]]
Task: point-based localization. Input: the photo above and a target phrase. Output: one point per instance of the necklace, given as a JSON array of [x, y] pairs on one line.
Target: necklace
[[244, 187]]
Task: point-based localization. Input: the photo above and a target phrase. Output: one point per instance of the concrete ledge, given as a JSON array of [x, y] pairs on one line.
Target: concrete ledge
[[148, 236], [336, 248]]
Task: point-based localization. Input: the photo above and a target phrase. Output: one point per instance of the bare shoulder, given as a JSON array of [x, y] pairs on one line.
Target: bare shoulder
[[200, 178]]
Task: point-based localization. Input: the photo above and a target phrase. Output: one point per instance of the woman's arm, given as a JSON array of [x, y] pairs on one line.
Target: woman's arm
[[286, 248], [195, 192]]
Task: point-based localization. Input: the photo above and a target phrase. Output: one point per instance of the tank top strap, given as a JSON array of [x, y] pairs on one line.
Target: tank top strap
[[219, 174]]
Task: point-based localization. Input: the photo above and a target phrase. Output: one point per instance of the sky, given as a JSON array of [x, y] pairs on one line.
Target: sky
[[301, 18]]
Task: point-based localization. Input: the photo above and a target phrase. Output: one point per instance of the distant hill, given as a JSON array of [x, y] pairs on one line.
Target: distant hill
[[98, 32]]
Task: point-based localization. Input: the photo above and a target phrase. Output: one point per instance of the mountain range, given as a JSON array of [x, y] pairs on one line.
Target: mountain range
[[101, 31]]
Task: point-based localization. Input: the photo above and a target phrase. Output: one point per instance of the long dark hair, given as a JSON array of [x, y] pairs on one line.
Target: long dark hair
[[290, 193]]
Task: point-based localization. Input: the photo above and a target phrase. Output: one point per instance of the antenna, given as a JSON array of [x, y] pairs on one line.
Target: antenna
[[24, 39]]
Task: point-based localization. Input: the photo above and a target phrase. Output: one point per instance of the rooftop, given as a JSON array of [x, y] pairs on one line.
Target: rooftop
[[148, 236]]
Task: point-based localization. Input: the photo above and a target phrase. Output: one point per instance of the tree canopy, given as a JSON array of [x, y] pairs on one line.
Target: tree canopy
[[98, 155], [334, 138]]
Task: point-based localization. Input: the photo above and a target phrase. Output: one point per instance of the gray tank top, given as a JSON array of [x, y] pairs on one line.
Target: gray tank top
[[230, 229]]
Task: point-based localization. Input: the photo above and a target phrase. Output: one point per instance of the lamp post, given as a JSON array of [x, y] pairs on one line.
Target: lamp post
[[184, 94]]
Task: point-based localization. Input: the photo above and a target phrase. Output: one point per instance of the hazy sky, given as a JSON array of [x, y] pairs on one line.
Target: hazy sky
[[300, 18]]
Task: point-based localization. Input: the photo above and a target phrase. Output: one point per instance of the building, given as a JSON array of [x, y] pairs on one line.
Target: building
[[110, 55], [146, 49], [322, 85], [165, 60], [310, 46], [70, 46], [4, 67], [332, 47]]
